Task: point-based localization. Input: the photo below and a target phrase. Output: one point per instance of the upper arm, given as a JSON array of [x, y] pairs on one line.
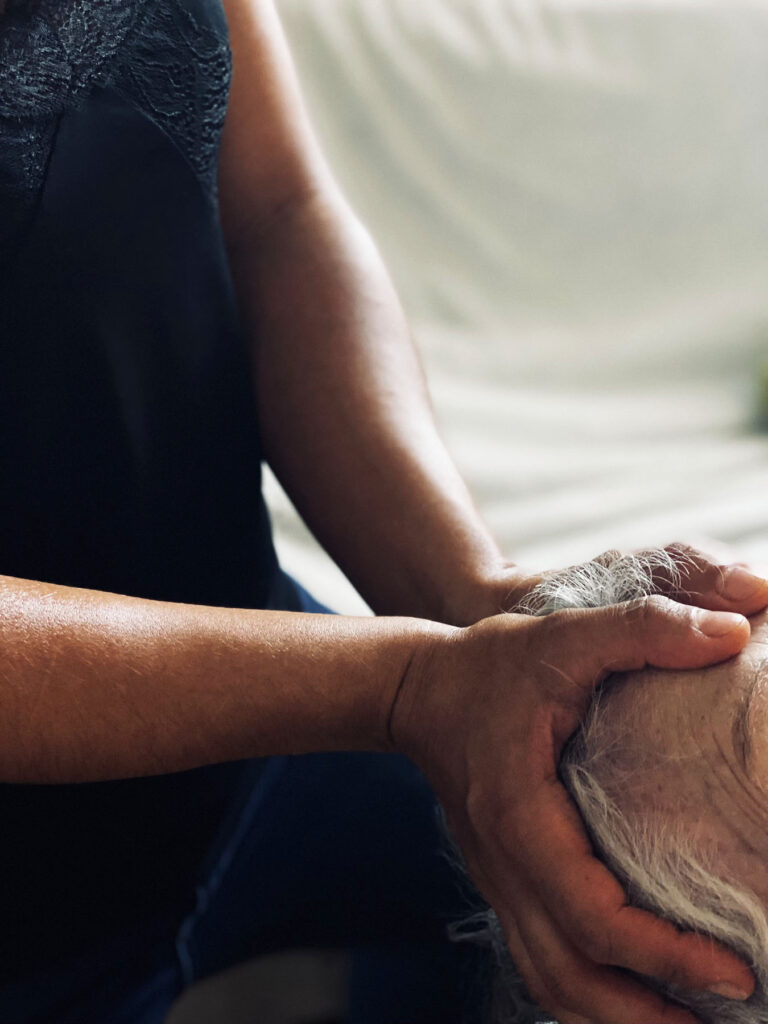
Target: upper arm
[[269, 156]]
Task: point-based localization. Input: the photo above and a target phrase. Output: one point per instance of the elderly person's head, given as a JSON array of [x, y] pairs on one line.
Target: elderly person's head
[[670, 773]]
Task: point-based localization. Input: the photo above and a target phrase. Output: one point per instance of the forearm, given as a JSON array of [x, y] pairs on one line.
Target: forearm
[[346, 420], [97, 686]]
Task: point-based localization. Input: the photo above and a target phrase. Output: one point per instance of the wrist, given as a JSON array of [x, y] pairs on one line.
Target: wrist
[[376, 659], [410, 715], [488, 590]]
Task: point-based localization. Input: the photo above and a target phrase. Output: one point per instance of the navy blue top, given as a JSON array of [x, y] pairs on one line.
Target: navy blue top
[[129, 454]]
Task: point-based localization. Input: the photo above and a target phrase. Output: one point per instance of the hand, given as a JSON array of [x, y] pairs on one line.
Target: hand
[[702, 579], [485, 712]]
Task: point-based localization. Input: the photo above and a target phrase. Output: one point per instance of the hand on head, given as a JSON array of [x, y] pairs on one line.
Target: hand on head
[[486, 714], [678, 571], [670, 774]]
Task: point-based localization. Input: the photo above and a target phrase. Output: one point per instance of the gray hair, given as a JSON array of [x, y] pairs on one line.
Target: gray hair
[[663, 868]]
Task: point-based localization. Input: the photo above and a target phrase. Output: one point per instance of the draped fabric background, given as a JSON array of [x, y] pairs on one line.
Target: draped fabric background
[[572, 197]]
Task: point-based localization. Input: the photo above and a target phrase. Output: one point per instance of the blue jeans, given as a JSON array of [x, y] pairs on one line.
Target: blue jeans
[[335, 850]]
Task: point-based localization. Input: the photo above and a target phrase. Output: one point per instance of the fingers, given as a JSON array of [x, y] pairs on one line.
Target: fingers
[[538, 990], [573, 988], [589, 643], [686, 574], [569, 928], [706, 582], [586, 903]]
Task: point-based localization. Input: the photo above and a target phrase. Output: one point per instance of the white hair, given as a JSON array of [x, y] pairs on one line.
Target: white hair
[[664, 867]]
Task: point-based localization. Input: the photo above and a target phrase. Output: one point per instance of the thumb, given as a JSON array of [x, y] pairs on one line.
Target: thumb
[[653, 631]]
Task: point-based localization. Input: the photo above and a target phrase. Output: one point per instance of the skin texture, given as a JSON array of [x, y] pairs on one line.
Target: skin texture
[[97, 686], [349, 432], [699, 722], [344, 413], [563, 915]]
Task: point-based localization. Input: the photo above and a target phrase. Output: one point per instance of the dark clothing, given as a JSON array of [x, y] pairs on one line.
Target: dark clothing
[[129, 452], [130, 462], [331, 850]]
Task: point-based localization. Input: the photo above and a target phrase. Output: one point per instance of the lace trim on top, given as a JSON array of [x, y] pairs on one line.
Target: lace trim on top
[[51, 50], [178, 72], [175, 67]]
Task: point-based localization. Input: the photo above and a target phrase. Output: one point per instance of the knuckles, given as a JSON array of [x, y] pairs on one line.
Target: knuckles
[[609, 557], [693, 564], [646, 611], [596, 946], [688, 556], [594, 938], [480, 808]]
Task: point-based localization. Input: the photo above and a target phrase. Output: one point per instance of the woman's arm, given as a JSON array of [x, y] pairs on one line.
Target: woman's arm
[[345, 417], [98, 686], [349, 431]]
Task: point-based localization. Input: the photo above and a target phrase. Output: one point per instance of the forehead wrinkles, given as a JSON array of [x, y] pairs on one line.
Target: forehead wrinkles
[[743, 721]]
